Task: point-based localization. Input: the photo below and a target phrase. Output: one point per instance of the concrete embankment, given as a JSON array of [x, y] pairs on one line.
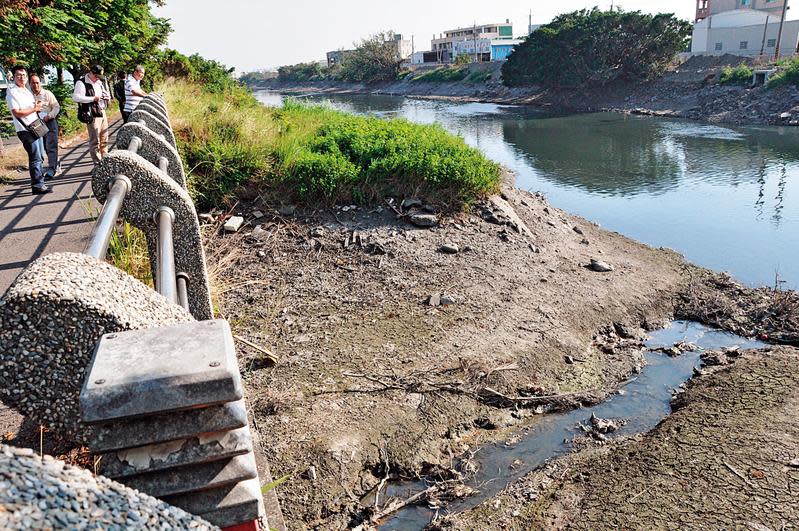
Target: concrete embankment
[[689, 91]]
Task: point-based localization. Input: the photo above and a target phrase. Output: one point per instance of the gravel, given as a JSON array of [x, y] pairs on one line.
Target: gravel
[[38, 493], [50, 321]]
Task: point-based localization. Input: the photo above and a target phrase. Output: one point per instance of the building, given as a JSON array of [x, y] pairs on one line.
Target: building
[[404, 47], [706, 8], [744, 32], [484, 50], [336, 57], [444, 45]]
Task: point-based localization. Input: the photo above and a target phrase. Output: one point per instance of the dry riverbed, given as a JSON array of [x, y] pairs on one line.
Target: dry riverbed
[[403, 347], [728, 458]]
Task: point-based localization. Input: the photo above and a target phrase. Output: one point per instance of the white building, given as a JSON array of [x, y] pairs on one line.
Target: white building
[[444, 46], [744, 32], [483, 50]]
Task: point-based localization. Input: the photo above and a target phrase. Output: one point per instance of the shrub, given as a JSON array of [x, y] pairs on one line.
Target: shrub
[[312, 152], [787, 75], [740, 75]]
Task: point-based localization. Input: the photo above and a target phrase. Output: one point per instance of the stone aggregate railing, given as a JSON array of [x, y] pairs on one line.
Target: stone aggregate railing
[[147, 380]]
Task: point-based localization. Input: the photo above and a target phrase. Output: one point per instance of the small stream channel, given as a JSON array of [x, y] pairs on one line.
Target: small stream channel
[[643, 402]]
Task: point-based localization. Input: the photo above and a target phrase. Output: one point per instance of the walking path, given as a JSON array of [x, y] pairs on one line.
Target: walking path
[[34, 225]]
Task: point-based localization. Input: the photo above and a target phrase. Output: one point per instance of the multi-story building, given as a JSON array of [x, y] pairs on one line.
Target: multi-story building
[[706, 8], [444, 45], [483, 50]]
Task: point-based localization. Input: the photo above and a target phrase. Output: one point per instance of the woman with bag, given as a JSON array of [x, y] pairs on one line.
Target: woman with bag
[[25, 112], [92, 95]]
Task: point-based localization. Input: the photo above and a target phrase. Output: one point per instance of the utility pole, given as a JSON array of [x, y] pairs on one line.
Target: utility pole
[[474, 40], [765, 31], [779, 35], [530, 23]]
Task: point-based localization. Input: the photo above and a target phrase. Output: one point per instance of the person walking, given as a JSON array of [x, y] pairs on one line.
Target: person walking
[[49, 113], [133, 91], [119, 93], [24, 109], [92, 95]]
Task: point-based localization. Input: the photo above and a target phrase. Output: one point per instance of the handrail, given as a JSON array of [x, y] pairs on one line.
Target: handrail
[[100, 237], [165, 279]]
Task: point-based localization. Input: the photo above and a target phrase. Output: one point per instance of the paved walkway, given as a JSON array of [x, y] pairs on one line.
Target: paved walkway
[[34, 225]]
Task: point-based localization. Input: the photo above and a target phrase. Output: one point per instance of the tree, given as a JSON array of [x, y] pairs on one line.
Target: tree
[[73, 34], [591, 47], [376, 59]]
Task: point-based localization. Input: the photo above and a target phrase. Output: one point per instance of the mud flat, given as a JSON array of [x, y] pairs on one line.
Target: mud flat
[[727, 458], [404, 348]]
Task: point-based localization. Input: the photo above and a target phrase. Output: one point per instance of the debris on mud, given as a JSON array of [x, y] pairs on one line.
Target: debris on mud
[[718, 300]]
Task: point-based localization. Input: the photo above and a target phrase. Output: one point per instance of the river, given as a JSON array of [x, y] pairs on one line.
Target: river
[[725, 197]]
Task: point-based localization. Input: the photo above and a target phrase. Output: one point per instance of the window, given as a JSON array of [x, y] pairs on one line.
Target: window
[[744, 45], [771, 43], [718, 46]]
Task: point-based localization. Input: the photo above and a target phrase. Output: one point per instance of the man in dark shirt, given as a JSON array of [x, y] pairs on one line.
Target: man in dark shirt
[[119, 94]]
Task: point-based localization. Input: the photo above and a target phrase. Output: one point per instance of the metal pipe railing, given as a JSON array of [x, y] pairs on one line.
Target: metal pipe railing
[[166, 282], [183, 290], [134, 144], [119, 187]]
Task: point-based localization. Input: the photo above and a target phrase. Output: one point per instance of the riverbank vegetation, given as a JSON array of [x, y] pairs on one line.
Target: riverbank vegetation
[[739, 75], [310, 152], [596, 47], [788, 73], [375, 59]]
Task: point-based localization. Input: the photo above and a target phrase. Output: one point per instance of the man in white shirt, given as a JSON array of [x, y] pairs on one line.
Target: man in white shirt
[[24, 109], [133, 92], [49, 113], [91, 89]]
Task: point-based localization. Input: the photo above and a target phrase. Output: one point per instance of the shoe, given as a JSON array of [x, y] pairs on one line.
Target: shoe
[[41, 190], [58, 171], [48, 175]]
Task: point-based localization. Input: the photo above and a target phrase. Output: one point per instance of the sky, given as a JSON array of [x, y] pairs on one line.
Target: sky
[[259, 34]]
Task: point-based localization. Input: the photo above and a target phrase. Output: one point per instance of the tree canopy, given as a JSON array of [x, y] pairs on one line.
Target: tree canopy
[[72, 34], [374, 60], [596, 47]]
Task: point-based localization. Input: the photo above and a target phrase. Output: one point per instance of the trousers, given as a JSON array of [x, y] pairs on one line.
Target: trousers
[[98, 138], [34, 147], [51, 144]]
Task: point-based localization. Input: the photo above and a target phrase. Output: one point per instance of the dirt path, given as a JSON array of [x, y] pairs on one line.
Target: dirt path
[[372, 377], [728, 458]]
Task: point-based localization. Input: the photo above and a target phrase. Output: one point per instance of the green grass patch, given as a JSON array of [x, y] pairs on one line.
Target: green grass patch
[[443, 74], [740, 75], [787, 75], [312, 153], [478, 77]]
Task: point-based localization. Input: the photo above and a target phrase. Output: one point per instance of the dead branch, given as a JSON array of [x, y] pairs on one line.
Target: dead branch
[[272, 357], [560, 401]]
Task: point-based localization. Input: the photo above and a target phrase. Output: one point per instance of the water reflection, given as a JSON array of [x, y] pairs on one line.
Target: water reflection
[[722, 196]]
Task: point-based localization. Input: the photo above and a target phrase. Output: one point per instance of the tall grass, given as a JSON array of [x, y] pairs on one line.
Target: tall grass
[[127, 250], [309, 153]]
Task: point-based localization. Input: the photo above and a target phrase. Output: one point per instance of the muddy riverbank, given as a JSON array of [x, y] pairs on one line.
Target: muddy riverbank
[[688, 91], [728, 458], [402, 348]]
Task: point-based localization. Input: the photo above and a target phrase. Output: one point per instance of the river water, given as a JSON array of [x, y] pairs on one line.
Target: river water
[[725, 197]]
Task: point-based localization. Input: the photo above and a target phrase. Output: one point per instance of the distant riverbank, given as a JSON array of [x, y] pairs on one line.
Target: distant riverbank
[[687, 92]]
